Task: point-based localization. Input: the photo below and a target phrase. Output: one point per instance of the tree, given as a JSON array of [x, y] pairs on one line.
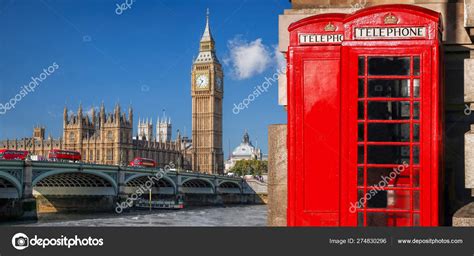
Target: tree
[[250, 167]]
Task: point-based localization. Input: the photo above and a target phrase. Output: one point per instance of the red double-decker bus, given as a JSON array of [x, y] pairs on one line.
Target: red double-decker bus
[[143, 162], [64, 155], [8, 154]]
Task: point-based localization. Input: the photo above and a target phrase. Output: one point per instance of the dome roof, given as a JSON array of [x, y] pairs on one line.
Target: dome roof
[[245, 149]]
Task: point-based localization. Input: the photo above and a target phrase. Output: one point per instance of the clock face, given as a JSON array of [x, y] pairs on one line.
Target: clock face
[[219, 83], [202, 81]]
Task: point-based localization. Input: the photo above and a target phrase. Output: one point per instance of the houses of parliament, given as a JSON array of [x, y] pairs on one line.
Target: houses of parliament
[[107, 137]]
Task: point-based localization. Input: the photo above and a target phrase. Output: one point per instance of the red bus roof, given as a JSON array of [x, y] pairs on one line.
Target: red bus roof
[[13, 150], [143, 159]]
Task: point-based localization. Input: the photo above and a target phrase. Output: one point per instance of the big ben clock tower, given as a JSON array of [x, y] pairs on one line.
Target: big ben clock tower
[[207, 90]]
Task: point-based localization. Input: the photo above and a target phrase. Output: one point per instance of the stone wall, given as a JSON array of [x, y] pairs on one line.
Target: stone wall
[[257, 186], [277, 175], [59, 204], [464, 216]]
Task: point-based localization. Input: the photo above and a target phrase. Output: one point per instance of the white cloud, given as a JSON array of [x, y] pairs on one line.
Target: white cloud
[[279, 58], [248, 58]]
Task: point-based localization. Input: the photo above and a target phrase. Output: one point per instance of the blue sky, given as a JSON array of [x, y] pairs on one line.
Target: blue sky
[[142, 57]]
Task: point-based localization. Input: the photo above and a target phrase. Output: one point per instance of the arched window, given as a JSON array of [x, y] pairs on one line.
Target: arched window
[[110, 135], [72, 137], [110, 154]]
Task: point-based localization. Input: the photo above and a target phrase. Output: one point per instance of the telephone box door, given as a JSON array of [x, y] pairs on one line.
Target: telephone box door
[[393, 121]]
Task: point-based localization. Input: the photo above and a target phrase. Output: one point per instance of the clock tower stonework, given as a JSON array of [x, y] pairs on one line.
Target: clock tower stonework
[[207, 91]]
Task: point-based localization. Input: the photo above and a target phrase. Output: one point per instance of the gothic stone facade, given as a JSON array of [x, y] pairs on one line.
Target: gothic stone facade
[[104, 138]]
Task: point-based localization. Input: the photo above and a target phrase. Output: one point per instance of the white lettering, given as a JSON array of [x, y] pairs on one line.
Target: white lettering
[[320, 38], [389, 33]]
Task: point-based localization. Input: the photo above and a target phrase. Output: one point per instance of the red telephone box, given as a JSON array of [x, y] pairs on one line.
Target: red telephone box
[[366, 136]]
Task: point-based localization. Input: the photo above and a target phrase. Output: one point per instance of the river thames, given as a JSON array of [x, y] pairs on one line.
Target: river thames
[[244, 215]]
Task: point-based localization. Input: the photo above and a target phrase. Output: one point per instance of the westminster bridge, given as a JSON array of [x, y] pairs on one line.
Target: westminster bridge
[[31, 187]]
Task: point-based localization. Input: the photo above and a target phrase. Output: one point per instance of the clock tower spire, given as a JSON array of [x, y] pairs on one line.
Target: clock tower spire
[[207, 92]]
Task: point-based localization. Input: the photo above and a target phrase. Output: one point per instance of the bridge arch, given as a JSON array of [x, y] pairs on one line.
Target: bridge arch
[[229, 184], [198, 186], [229, 187], [73, 180], [7, 183], [163, 183]]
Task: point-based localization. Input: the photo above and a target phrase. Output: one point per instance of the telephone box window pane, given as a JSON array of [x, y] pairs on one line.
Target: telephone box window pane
[[416, 155], [400, 178], [416, 110], [399, 199], [361, 88], [376, 199], [360, 176], [376, 219], [416, 88], [360, 219], [387, 132], [375, 176], [388, 219], [416, 200], [361, 132], [416, 132], [416, 177], [360, 156], [361, 66], [392, 88], [388, 154], [360, 199], [416, 66], [416, 219], [399, 66], [389, 110], [361, 110], [405, 153], [388, 177]]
